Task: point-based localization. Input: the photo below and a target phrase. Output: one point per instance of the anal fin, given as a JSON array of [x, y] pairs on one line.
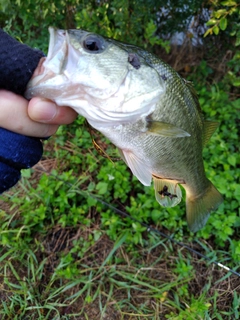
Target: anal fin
[[167, 192]]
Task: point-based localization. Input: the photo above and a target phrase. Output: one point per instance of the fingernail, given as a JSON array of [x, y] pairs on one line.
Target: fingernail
[[44, 111]]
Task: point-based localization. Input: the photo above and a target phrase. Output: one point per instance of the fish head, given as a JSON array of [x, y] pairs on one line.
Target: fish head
[[103, 80]]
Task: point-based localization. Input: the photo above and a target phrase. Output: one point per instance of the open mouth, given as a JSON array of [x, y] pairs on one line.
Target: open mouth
[[57, 50], [53, 64]]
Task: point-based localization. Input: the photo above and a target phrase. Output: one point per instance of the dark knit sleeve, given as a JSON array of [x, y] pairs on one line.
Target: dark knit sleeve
[[17, 64]]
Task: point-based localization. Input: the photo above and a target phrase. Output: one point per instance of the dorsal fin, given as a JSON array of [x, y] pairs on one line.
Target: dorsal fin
[[209, 127], [191, 88]]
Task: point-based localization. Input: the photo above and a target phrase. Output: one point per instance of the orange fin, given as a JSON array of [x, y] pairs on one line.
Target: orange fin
[[199, 208]]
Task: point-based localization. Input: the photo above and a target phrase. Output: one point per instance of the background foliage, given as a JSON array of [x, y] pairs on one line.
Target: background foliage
[[44, 208]]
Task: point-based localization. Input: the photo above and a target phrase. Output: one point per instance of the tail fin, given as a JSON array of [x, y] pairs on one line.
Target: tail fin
[[199, 208]]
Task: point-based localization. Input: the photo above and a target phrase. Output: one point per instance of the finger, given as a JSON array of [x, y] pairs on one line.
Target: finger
[[46, 111], [14, 117]]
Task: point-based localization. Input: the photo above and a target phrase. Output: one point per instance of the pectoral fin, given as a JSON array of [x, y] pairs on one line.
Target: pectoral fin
[[166, 129], [167, 192], [137, 166]]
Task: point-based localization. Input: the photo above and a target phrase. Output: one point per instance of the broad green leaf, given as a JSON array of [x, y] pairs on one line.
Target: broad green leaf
[[209, 31], [232, 33], [229, 3], [102, 187], [233, 10], [237, 43], [232, 160], [219, 13], [211, 22], [223, 24], [236, 82], [216, 30]]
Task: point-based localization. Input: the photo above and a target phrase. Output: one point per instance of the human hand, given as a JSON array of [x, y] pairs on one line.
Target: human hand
[[35, 118], [21, 121]]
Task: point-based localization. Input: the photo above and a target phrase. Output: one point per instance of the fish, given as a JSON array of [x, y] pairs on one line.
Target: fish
[[142, 105]]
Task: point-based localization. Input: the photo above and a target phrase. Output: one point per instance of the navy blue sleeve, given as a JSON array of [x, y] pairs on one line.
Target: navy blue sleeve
[[17, 64]]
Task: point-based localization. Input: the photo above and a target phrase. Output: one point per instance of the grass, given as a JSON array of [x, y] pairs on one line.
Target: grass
[[105, 281]]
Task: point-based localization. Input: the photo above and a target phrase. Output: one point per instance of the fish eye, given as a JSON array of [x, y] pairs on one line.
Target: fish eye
[[94, 44]]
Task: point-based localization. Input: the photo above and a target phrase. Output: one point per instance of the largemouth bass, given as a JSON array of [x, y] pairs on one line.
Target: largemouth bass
[[140, 104]]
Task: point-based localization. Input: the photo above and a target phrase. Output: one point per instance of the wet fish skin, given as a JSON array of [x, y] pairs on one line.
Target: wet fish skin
[[142, 105]]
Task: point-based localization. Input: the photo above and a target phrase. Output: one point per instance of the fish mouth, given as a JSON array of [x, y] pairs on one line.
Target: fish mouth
[[55, 60], [57, 50]]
